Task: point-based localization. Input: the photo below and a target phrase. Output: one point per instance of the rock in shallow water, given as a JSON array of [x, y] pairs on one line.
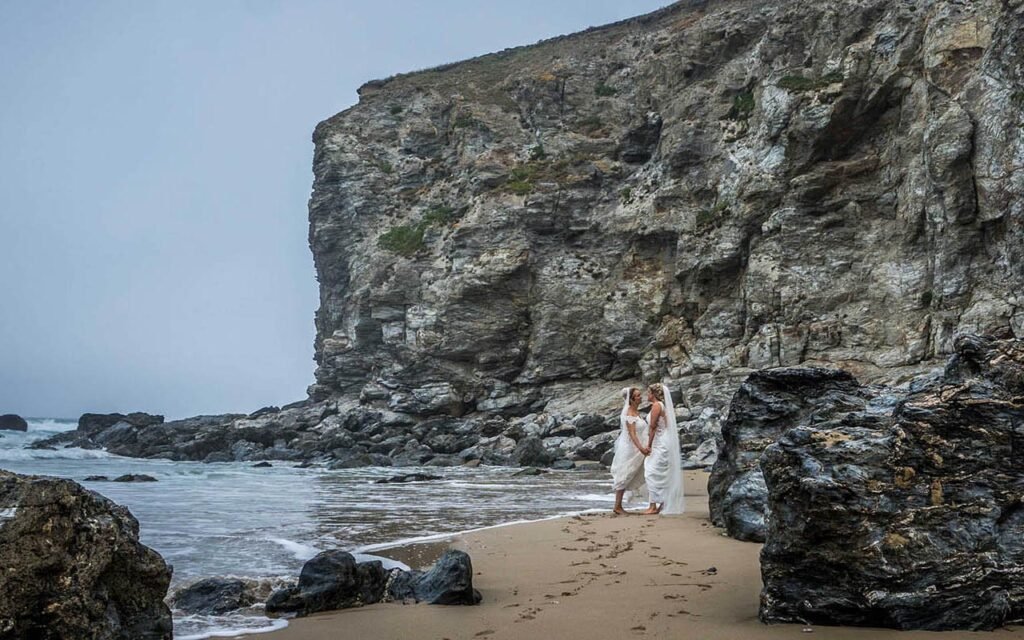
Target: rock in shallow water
[[411, 477], [911, 519], [135, 477], [12, 422], [74, 567], [214, 596]]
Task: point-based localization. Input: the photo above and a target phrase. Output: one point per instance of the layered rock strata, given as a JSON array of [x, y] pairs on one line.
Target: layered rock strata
[[694, 194]]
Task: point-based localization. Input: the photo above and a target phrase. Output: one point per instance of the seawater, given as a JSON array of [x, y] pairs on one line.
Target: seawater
[[232, 519]]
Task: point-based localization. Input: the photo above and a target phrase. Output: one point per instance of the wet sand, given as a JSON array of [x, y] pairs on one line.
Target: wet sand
[[595, 577]]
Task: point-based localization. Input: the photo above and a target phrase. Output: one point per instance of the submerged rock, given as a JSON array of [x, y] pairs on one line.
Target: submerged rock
[[12, 422], [74, 567], [409, 477], [767, 404], [911, 518], [135, 477]]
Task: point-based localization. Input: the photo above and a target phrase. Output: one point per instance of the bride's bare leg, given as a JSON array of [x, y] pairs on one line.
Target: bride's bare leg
[[618, 502]]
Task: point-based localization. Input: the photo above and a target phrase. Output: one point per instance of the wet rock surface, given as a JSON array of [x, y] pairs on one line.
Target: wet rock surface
[[334, 580], [12, 422], [449, 582], [766, 405], [214, 596], [908, 518], [74, 567]]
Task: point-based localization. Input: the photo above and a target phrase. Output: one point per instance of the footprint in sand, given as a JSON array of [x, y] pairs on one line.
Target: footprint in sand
[[485, 632]]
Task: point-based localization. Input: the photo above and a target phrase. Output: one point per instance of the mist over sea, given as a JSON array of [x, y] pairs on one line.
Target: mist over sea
[[232, 519]]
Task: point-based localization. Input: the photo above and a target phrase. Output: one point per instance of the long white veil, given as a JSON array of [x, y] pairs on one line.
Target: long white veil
[[674, 501], [625, 408]]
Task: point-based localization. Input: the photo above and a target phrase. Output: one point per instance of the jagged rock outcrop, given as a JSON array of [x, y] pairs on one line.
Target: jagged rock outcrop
[[74, 567], [766, 405], [707, 190], [909, 519]]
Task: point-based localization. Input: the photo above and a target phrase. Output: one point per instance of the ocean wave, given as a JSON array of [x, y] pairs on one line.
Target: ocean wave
[[231, 626], [51, 424], [299, 550], [387, 563], [71, 453]]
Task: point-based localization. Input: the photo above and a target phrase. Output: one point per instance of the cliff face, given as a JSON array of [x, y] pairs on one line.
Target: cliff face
[[709, 189]]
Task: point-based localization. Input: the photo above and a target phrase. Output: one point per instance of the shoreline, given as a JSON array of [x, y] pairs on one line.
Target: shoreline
[[592, 576]]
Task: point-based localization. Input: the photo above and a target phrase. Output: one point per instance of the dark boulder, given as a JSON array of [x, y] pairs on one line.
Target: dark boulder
[[74, 567], [530, 452], [262, 465], [766, 405], [97, 479], [595, 447], [588, 425], [450, 581], [12, 422], [910, 518], [214, 596], [331, 580]]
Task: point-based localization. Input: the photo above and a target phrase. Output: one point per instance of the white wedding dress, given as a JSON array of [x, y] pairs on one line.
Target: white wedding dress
[[628, 463], [663, 469]]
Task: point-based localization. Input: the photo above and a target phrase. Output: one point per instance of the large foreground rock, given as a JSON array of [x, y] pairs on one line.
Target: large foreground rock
[[766, 405], [73, 566], [912, 519], [12, 422]]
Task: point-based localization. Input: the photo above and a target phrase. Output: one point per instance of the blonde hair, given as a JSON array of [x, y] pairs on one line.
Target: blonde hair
[[658, 390]]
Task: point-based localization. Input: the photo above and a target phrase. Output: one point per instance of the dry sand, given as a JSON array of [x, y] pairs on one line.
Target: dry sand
[[594, 577]]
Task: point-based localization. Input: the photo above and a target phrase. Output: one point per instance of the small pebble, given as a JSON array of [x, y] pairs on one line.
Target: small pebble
[[807, 630]]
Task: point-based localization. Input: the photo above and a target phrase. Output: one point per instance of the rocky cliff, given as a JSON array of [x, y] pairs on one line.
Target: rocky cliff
[[693, 194]]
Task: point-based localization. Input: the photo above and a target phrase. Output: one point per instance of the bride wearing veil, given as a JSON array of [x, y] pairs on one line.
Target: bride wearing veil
[[663, 469], [628, 464]]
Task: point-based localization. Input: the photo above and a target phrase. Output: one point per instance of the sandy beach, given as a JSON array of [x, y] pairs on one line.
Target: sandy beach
[[593, 576]]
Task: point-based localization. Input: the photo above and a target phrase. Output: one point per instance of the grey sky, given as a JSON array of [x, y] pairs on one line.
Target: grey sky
[[154, 172]]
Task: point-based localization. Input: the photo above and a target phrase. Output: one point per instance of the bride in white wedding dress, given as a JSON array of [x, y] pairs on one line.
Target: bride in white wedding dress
[[628, 462], [663, 469]]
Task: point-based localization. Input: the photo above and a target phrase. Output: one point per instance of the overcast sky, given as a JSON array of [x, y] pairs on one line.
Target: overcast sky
[[154, 173]]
